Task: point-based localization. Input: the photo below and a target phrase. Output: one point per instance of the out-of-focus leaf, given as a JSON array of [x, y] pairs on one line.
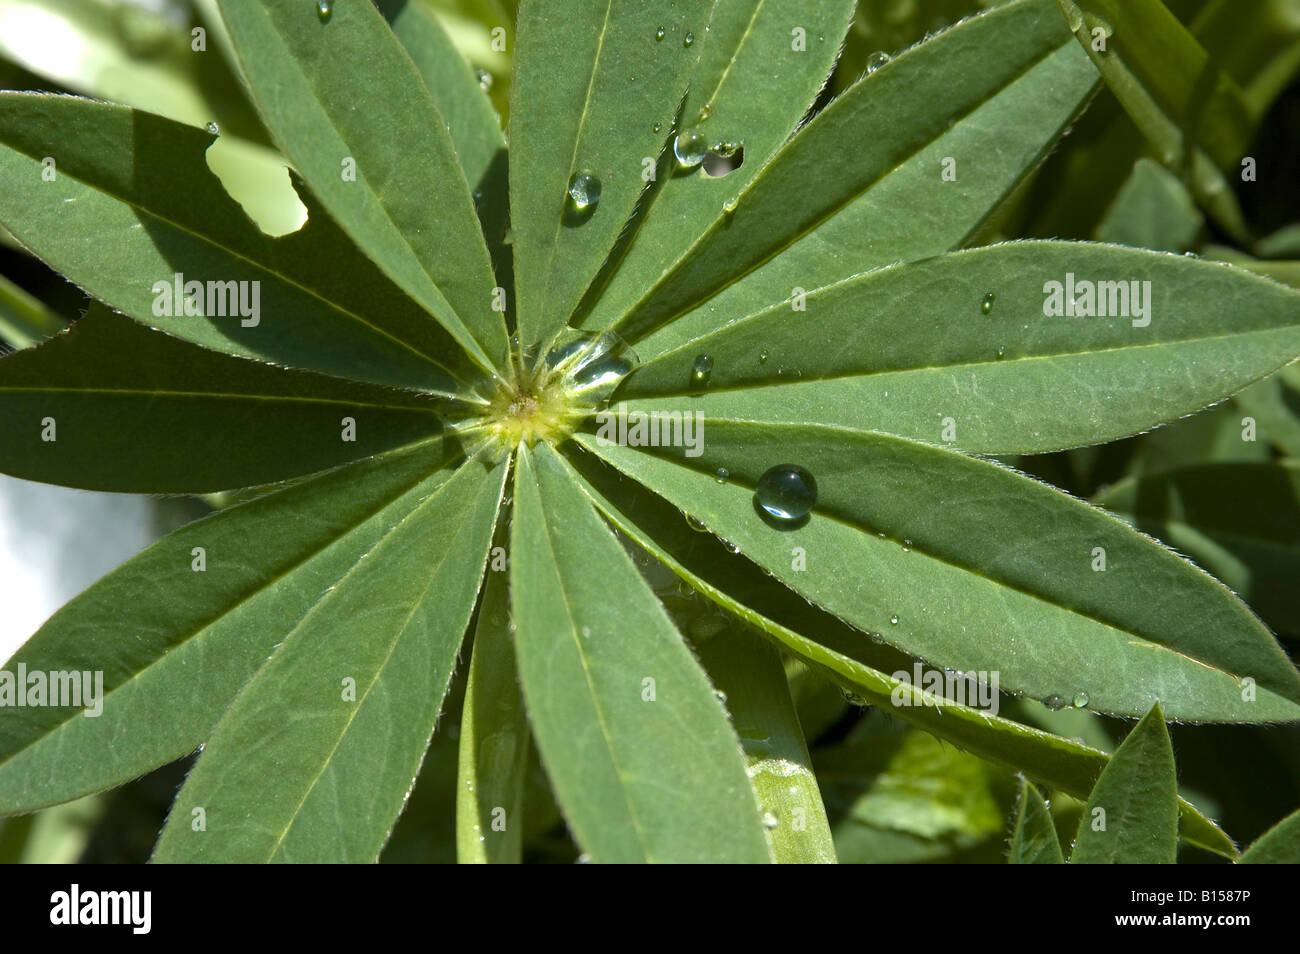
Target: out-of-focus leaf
[[1153, 210], [1280, 845]]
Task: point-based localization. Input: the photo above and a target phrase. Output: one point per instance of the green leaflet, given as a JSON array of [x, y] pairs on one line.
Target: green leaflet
[[889, 122], [748, 672], [1034, 840], [1152, 210], [136, 410], [1253, 545], [842, 655], [194, 638], [638, 748], [363, 674], [1131, 817], [952, 547], [408, 205], [494, 737], [761, 63], [580, 112], [1280, 845], [142, 207], [918, 354], [1190, 111], [24, 319]]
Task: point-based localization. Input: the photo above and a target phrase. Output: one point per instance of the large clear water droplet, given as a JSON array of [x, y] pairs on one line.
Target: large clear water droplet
[[690, 148], [721, 475], [876, 60], [1054, 702], [1080, 700], [786, 492], [584, 192], [592, 364]]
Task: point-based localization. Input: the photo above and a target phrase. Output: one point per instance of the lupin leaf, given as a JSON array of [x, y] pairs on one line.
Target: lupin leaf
[[142, 207], [858, 666], [761, 64], [960, 348], [952, 547], [596, 91], [376, 151], [1131, 817], [111, 405], [199, 630], [364, 673], [887, 123], [644, 763], [1280, 845], [494, 737], [1034, 840]]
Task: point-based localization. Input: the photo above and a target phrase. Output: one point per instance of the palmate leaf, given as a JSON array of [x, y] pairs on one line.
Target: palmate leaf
[[644, 763], [840, 653], [142, 206], [409, 207], [364, 673], [1131, 817], [139, 411], [952, 548], [831, 184], [1034, 840], [193, 638], [914, 348], [598, 108]]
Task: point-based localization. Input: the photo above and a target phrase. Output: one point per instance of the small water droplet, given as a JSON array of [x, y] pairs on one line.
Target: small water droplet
[[770, 821], [659, 127], [1002, 353], [1054, 702], [893, 620], [786, 492], [214, 129], [324, 10], [701, 371], [721, 475], [660, 34], [689, 39], [484, 79], [695, 524], [986, 305], [762, 356], [690, 148], [1080, 700], [706, 111], [721, 696], [853, 699], [876, 60]]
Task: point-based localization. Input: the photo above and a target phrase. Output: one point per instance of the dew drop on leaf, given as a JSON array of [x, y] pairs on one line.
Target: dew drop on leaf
[[584, 192], [690, 38], [213, 128], [721, 475], [1080, 700], [1054, 702], [770, 821], [701, 371], [876, 60], [893, 620], [786, 492], [762, 356], [324, 10], [986, 305], [695, 525], [484, 79], [690, 148], [660, 33]]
